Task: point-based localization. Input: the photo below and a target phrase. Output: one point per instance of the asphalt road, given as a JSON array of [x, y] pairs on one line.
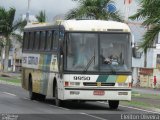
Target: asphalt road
[[15, 104]]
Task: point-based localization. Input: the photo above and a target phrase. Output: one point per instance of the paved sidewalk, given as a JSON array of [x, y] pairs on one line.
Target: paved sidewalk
[[147, 90]]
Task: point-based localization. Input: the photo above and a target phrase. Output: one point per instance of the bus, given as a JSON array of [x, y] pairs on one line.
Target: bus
[[78, 60]]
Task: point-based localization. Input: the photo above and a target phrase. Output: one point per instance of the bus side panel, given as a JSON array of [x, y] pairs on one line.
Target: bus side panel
[[39, 80], [60, 84], [43, 68], [50, 85], [24, 80]]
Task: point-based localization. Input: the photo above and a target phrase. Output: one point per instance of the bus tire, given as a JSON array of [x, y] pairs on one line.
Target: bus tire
[[32, 95], [58, 102], [41, 97], [113, 104]]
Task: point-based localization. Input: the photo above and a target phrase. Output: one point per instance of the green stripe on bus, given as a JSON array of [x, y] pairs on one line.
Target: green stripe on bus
[[112, 79], [102, 78]]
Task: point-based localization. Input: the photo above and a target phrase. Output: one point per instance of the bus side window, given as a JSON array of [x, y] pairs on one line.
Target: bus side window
[[25, 42], [31, 40], [42, 40], [49, 40], [55, 40], [36, 43]]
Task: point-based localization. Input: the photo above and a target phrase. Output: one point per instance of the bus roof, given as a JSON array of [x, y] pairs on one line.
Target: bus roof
[[94, 25], [86, 25]]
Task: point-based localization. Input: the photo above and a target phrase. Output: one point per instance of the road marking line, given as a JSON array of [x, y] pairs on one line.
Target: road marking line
[[9, 93], [135, 108], [140, 109], [49, 105], [93, 116]]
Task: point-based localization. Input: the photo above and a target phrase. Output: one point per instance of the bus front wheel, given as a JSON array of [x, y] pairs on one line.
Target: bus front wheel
[[58, 102], [113, 104]]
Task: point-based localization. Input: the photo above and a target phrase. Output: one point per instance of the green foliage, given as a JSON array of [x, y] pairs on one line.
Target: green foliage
[[9, 28], [10, 80], [93, 9], [7, 24], [149, 11], [41, 17]]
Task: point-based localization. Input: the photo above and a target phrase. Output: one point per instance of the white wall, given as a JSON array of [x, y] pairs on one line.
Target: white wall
[[138, 62], [150, 58], [156, 51]]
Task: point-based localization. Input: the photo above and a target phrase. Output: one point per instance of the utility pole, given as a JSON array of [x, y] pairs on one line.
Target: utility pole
[[127, 9], [27, 14]]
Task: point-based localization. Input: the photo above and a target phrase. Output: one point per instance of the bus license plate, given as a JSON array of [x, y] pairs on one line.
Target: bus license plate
[[98, 92]]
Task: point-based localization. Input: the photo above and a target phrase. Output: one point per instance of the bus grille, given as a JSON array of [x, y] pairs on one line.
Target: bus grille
[[95, 84]]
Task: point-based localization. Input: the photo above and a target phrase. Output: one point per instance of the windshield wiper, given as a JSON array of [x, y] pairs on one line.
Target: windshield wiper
[[89, 63]]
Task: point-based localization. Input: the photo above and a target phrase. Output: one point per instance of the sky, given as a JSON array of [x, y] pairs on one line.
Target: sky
[[51, 7], [54, 7], [59, 7]]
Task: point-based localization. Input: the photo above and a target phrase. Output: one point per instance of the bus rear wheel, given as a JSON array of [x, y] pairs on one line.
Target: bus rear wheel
[[58, 102], [41, 97], [113, 104]]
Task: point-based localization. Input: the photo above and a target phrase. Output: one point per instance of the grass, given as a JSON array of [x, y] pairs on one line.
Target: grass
[[140, 103], [135, 103], [140, 95], [10, 79]]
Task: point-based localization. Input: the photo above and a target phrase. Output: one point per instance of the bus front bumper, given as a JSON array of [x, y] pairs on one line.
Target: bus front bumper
[[97, 94]]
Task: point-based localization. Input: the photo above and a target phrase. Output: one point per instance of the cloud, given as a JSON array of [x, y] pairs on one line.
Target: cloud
[[52, 7]]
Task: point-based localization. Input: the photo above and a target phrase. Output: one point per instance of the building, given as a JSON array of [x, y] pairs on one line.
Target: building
[[144, 74]]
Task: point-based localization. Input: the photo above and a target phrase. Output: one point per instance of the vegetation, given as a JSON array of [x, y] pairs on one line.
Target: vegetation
[[150, 96], [144, 101], [10, 80], [41, 17], [93, 9], [149, 12], [9, 28]]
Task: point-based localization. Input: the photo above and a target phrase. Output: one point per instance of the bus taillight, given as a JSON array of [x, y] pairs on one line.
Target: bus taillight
[[66, 84]]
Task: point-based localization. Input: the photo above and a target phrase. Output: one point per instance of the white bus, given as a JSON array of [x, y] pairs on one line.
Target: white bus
[[80, 60]]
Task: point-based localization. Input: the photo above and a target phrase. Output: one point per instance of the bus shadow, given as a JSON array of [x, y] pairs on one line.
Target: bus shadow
[[74, 105]]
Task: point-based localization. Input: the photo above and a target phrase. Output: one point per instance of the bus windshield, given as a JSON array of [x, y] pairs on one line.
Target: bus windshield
[[99, 52]]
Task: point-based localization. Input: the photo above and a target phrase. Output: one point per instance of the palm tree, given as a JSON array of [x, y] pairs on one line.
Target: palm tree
[[41, 17], [8, 28], [149, 12], [93, 9]]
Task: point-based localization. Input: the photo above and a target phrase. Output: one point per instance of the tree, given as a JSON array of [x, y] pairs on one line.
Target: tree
[[8, 28], [149, 12], [41, 17], [93, 9]]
